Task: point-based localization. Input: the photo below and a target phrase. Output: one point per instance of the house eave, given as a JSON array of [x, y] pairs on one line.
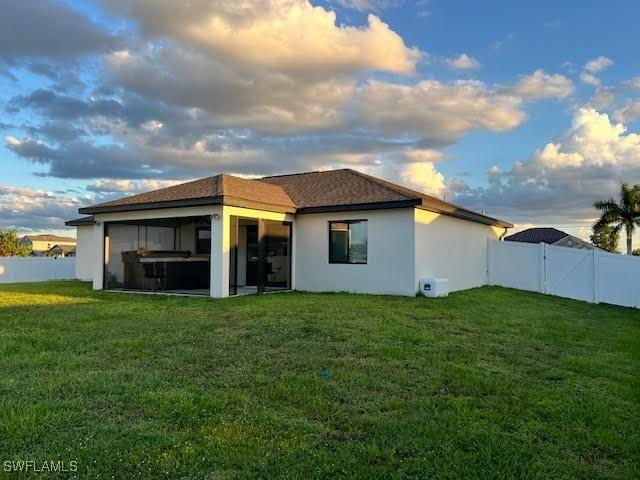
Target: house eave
[[78, 222], [359, 206], [194, 202], [467, 215]]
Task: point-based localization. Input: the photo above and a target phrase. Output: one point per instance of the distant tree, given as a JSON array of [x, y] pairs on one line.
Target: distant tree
[[636, 252], [624, 213], [606, 238], [10, 245]]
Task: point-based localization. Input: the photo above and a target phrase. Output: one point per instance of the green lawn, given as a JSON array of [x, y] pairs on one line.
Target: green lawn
[[488, 383]]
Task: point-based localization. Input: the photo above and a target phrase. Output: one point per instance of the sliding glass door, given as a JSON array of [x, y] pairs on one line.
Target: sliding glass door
[[260, 255], [277, 255]]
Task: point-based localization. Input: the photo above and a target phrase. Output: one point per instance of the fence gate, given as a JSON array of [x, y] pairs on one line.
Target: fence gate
[[569, 273]]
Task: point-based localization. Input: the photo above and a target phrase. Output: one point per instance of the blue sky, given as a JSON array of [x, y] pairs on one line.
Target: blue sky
[[529, 111]]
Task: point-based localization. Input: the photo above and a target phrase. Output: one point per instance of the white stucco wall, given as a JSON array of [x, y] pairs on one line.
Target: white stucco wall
[[87, 257], [451, 248], [390, 263]]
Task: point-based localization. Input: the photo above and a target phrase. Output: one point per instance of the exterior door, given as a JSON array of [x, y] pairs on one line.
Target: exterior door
[[252, 256], [274, 255]]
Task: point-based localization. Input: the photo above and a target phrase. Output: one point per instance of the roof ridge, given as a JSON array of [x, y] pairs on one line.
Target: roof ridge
[[382, 182], [301, 173], [543, 228], [268, 184]]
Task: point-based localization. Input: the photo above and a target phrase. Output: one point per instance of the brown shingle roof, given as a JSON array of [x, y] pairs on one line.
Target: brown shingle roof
[[350, 189], [310, 192], [334, 187], [220, 189]]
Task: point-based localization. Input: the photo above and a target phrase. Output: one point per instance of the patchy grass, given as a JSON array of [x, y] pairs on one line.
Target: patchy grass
[[488, 383]]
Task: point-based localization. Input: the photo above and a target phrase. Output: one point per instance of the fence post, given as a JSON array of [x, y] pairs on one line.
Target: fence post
[[489, 282], [542, 276], [594, 264]]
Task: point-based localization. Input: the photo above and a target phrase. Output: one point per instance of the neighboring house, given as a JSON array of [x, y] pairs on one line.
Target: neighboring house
[[41, 244], [337, 230], [551, 236], [62, 251]]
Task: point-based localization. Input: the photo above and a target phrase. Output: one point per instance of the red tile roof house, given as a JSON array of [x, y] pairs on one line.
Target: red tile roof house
[[337, 230]]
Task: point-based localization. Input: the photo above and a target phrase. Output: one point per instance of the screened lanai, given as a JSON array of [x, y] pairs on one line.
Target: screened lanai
[[162, 255]]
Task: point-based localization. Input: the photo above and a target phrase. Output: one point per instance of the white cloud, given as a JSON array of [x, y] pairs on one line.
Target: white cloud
[[551, 156], [540, 84], [560, 181], [598, 64], [634, 83], [604, 98], [368, 5], [107, 186], [592, 67], [267, 101], [438, 112], [423, 177], [628, 113], [29, 209], [152, 125], [290, 36], [12, 141], [418, 155], [590, 79], [463, 62]]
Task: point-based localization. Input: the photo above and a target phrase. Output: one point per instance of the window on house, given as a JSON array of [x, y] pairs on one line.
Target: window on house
[[203, 240], [348, 241]]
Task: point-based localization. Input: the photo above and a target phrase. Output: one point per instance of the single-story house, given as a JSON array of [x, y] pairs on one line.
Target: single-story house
[[62, 251], [338, 230], [550, 236], [41, 244]]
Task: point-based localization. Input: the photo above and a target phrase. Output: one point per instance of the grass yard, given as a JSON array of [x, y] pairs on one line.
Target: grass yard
[[488, 383]]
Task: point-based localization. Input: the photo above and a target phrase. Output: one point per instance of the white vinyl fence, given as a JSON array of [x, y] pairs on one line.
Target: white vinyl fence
[[36, 269], [590, 275]]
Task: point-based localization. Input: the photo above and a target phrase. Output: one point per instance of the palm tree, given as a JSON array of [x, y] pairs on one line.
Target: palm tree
[[625, 214]]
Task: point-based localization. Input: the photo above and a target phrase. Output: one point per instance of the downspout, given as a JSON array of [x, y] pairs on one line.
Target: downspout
[[503, 233]]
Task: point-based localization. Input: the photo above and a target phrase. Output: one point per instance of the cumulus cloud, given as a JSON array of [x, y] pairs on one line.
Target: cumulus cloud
[[560, 181], [108, 185], [290, 36], [598, 64], [628, 113], [80, 159], [45, 28], [368, 5], [541, 85], [255, 87], [592, 67], [604, 98], [590, 79], [634, 83], [438, 112], [418, 155], [271, 102], [28, 209], [54, 105], [463, 62], [424, 177]]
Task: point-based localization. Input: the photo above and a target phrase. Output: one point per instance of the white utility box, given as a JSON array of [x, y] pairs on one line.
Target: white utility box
[[434, 287]]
